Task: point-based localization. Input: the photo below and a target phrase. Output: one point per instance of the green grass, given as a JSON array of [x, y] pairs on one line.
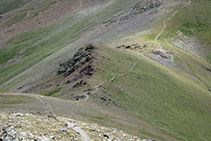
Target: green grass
[[169, 99], [36, 45], [51, 93], [192, 21], [27, 7], [6, 6]]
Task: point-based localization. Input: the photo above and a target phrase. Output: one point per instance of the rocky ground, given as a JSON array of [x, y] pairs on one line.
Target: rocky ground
[[29, 127]]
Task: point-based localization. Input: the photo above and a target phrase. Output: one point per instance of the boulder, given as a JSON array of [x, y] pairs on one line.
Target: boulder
[[8, 134]]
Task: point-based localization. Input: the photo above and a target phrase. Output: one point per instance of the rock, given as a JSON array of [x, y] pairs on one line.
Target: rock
[[19, 88], [82, 56], [145, 46], [118, 47], [54, 129], [106, 136], [64, 129], [208, 69], [137, 47], [9, 134], [78, 84], [162, 54], [18, 114], [128, 47]]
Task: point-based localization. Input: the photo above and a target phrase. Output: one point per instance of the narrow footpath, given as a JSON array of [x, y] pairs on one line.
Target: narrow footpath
[[131, 70], [165, 21], [160, 48]]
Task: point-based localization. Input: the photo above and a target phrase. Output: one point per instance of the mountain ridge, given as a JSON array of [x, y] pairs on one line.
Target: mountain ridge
[[136, 86]]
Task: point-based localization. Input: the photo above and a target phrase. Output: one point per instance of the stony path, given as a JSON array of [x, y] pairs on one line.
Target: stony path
[[164, 23], [83, 134]]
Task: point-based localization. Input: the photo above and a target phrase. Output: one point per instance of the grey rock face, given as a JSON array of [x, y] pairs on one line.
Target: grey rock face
[[8, 134]]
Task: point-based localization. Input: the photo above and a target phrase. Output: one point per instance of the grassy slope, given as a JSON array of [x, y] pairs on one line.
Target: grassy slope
[[6, 6], [194, 23], [168, 99], [40, 43], [177, 103]]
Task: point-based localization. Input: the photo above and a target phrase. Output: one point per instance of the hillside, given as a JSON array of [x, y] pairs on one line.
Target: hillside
[[140, 66]]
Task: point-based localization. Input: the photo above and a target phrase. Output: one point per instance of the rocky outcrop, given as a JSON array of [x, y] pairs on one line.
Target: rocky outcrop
[[207, 69], [163, 54], [82, 56], [75, 70], [134, 46], [78, 84]]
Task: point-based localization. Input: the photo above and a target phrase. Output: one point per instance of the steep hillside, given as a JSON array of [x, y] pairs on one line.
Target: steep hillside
[[141, 66]]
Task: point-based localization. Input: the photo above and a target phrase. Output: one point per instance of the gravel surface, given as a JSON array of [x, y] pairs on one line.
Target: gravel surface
[[18, 126]]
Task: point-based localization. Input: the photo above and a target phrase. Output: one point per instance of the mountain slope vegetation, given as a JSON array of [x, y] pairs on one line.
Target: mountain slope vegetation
[[103, 58]]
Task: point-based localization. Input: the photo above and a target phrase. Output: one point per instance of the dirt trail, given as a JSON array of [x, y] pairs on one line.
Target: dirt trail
[[164, 27], [47, 106], [87, 97], [164, 23], [131, 70]]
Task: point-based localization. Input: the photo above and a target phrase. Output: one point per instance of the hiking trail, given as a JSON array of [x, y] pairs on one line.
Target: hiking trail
[[164, 24], [131, 70]]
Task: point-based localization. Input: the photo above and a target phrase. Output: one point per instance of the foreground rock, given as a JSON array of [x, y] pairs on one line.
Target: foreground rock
[[24, 127]]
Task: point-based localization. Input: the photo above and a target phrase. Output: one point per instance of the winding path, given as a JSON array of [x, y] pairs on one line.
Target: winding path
[[87, 97], [131, 70], [164, 27], [164, 23]]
